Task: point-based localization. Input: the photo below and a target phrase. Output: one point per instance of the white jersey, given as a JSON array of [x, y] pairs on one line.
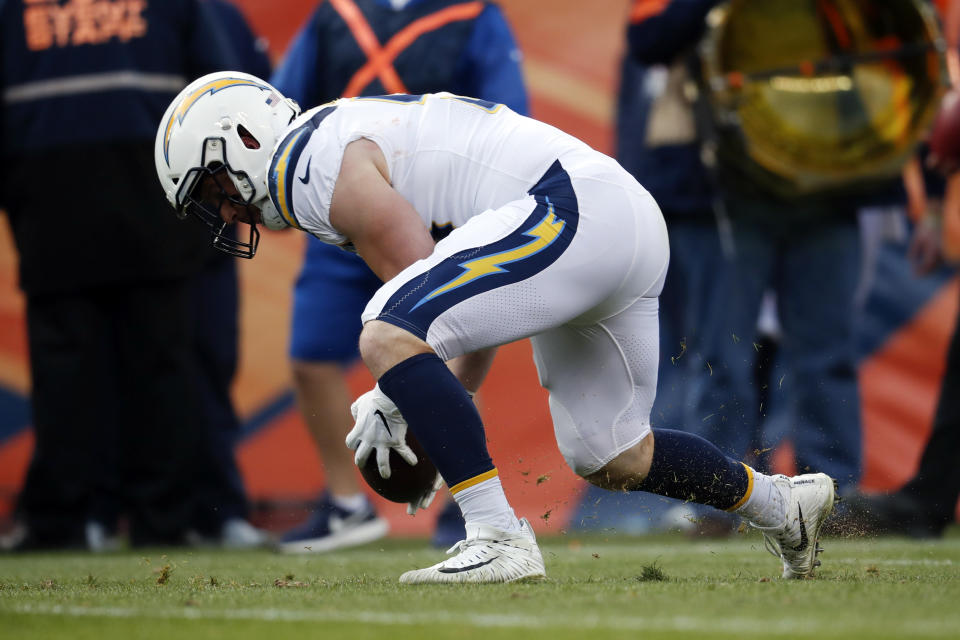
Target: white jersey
[[451, 157]]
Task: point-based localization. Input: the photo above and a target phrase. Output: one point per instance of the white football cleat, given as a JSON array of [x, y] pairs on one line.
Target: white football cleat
[[487, 555], [809, 499]]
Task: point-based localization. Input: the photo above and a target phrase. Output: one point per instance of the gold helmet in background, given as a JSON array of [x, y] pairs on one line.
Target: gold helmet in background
[[821, 94]]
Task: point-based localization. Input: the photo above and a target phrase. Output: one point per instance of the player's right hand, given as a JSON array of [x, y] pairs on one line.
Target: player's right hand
[[379, 427], [427, 498]]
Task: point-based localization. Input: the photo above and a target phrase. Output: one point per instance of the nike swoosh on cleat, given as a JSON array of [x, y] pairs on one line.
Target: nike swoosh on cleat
[[306, 174], [379, 414], [803, 533], [467, 568]]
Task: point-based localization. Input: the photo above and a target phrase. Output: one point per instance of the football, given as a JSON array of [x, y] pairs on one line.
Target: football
[[406, 483]]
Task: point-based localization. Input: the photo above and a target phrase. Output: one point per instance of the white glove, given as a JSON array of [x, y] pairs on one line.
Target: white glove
[[426, 498], [379, 426]]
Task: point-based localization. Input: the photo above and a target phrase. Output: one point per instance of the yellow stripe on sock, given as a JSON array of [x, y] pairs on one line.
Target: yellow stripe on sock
[[475, 480], [746, 495]]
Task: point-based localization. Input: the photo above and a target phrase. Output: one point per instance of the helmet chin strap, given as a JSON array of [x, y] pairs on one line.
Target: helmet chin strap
[[270, 216]]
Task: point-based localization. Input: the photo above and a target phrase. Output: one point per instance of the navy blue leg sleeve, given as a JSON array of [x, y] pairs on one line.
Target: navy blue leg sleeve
[[687, 467], [441, 415]]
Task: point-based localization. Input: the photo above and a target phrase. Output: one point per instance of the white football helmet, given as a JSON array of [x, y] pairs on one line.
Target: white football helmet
[[223, 124]]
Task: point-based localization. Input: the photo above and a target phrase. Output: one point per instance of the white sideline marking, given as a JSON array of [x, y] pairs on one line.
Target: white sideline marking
[[907, 562], [746, 547], [658, 551], [753, 625]]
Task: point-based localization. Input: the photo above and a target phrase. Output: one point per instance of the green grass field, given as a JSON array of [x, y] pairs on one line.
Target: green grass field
[[597, 587]]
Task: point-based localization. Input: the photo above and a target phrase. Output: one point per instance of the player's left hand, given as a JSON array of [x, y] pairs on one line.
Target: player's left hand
[[427, 498], [379, 427]]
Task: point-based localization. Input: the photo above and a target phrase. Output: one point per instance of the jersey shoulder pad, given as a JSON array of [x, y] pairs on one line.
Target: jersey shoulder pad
[[286, 157]]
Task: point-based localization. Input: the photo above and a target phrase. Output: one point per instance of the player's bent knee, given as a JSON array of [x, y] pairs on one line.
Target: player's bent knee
[[383, 345], [627, 470]]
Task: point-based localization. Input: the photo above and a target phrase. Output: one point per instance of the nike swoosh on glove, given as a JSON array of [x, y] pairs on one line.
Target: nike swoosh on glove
[[379, 427]]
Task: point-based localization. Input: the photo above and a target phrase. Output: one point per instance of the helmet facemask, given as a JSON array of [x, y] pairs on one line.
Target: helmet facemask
[[203, 191]]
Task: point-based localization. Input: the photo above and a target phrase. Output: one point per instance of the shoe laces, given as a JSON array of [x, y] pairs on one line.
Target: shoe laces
[[464, 545], [769, 537], [476, 541], [473, 551], [772, 546], [458, 547], [776, 550]]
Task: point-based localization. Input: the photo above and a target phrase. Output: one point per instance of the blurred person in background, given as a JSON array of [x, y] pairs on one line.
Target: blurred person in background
[[222, 515], [733, 239], [355, 48], [658, 142], [116, 395], [927, 503]]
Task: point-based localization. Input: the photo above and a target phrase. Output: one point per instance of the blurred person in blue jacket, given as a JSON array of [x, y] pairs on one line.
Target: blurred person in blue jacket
[[368, 47], [657, 140], [107, 272]]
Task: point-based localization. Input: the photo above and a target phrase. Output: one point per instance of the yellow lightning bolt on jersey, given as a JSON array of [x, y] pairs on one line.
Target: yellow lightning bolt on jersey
[[543, 234]]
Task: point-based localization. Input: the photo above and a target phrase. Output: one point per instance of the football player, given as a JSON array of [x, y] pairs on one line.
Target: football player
[[551, 241]]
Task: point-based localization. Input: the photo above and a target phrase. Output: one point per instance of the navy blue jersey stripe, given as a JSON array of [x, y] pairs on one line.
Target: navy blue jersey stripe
[[536, 244], [283, 166]]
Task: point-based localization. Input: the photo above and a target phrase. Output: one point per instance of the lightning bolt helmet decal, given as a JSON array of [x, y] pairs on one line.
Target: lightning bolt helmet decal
[[187, 103]]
